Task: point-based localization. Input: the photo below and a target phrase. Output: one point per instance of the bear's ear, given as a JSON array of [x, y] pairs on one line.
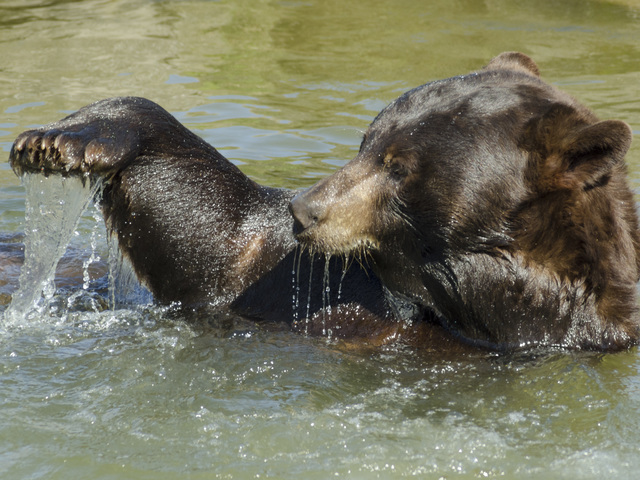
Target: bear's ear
[[514, 61], [573, 154]]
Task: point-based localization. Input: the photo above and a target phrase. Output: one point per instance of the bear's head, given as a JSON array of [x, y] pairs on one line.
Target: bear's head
[[496, 200]]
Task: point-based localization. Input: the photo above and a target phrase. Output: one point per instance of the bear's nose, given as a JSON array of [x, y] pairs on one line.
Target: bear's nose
[[304, 214]]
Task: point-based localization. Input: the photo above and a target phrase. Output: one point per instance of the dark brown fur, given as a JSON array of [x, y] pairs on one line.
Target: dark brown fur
[[493, 207], [497, 201], [199, 232]]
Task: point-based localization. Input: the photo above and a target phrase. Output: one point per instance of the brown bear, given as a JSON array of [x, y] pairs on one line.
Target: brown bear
[[489, 210], [498, 202], [201, 234]]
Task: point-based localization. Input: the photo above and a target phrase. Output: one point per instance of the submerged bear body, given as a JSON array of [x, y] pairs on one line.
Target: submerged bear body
[[489, 210]]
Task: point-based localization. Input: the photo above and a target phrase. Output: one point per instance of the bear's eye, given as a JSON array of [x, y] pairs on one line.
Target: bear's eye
[[393, 164]]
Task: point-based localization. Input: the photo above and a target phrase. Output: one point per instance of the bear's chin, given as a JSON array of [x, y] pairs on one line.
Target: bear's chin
[[335, 245]]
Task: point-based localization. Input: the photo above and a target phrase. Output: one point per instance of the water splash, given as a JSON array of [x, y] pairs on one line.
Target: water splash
[[53, 208], [93, 258]]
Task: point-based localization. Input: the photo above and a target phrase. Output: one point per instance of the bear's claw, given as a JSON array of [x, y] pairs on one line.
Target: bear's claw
[[47, 152]]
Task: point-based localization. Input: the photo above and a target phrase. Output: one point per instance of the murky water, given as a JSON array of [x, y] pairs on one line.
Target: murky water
[[285, 90]]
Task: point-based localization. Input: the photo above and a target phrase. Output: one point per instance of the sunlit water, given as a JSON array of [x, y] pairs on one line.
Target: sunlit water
[[97, 383]]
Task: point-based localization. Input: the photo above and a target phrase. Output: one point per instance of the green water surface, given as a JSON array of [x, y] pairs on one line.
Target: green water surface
[[285, 89]]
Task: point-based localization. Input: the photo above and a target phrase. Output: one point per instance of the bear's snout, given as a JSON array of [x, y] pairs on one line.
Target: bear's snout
[[304, 213]]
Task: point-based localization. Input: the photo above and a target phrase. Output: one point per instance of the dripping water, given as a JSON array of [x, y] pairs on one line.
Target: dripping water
[[326, 297], [295, 275], [53, 208], [344, 273], [294, 310], [327, 305], [339, 294], [124, 287], [308, 317], [93, 258]]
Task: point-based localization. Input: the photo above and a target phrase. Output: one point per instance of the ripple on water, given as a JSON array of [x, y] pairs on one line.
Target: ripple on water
[[134, 388]]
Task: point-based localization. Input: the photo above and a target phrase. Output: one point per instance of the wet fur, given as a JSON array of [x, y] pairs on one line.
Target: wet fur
[[489, 210], [499, 202], [201, 234]]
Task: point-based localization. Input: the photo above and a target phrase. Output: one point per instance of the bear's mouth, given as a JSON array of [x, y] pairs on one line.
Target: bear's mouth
[[334, 245], [326, 234]]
